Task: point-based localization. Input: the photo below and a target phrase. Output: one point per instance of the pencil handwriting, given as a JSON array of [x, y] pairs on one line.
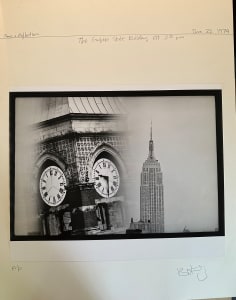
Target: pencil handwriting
[[102, 39], [209, 31], [16, 268], [21, 35], [198, 271]]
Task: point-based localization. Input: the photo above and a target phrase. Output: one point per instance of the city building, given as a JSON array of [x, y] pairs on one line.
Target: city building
[[151, 195]]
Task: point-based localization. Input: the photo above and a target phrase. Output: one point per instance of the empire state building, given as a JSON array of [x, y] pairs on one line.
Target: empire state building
[[151, 193]]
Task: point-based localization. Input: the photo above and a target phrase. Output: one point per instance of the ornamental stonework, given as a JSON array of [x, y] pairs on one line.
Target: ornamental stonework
[[86, 145], [65, 150]]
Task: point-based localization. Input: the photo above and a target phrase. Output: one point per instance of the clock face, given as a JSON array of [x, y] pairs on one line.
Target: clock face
[[52, 186], [106, 178]]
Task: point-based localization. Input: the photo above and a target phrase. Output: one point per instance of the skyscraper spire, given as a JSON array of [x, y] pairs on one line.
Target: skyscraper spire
[[151, 145], [151, 131]]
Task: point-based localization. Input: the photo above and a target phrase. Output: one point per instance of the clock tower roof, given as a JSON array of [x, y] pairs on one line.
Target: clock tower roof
[[48, 108]]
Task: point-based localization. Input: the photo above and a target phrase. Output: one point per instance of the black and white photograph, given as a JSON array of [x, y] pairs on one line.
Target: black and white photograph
[[116, 165]]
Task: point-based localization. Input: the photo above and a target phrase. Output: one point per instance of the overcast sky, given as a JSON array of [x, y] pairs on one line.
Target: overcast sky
[[185, 145]]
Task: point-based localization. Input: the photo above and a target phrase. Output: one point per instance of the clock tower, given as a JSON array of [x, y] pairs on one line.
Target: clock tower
[[80, 165]]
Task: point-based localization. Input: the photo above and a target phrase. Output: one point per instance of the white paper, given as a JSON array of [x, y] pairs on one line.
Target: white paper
[[110, 45]]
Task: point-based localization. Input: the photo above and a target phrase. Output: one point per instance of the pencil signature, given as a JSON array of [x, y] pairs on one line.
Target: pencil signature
[[199, 271], [16, 268]]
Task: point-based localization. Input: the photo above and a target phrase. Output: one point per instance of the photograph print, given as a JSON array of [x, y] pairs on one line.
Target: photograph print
[[110, 165]]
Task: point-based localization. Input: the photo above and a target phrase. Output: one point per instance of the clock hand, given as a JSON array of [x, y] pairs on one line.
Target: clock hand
[[107, 181], [51, 176], [101, 175]]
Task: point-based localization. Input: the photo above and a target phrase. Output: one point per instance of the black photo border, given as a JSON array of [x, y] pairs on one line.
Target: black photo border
[[216, 93]]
